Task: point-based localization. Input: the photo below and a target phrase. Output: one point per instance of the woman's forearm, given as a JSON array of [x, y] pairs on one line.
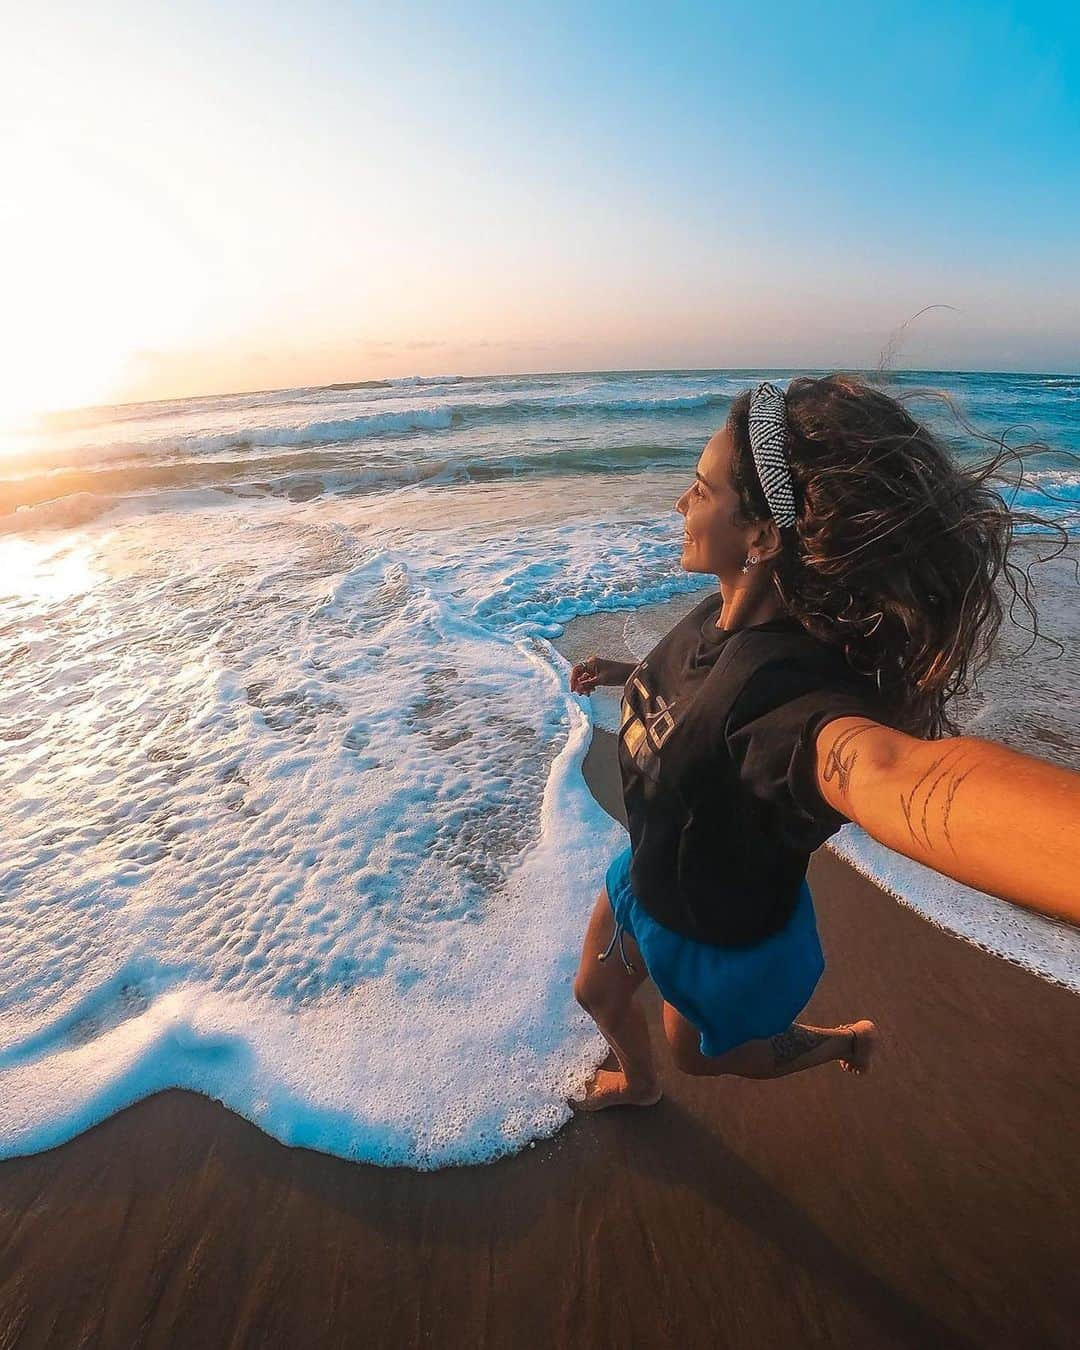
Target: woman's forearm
[[626, 669], [1003, 822]]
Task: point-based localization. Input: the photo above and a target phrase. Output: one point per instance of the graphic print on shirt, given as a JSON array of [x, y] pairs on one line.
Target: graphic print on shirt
[[648, 719]]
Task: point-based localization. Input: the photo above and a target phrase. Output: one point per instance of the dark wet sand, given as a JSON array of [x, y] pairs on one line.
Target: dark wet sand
[[932, 1204]]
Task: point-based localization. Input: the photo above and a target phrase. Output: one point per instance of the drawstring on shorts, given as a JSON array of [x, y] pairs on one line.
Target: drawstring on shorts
[[617, 936]]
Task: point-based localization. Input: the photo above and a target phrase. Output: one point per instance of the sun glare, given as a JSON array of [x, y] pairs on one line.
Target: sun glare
[[36, 570], [100, 268]]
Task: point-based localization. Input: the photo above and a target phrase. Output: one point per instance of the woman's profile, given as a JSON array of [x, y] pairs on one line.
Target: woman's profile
[[857, 566]]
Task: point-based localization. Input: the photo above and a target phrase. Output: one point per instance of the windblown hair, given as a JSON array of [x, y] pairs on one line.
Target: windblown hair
[[896, 549]]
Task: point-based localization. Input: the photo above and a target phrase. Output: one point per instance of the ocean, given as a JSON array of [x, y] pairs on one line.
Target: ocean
[[294, 814]]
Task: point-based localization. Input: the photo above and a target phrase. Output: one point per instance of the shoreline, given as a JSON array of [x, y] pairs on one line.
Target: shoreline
[[933, 1203]]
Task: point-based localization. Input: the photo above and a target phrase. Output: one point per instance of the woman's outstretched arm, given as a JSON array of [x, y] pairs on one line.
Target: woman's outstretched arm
[[1003, 822]]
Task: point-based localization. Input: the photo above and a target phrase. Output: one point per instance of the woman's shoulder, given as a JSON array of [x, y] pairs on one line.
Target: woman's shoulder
[[787, 637], [687, 629], [783, 660], [785, 640]]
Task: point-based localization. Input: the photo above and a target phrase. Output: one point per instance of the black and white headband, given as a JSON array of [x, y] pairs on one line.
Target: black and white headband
[[768, 433]]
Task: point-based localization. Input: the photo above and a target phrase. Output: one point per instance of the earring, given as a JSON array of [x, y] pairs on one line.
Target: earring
[[749, 562]]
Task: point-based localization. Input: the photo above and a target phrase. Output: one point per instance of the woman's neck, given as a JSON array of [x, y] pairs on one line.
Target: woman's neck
[[748, 605]]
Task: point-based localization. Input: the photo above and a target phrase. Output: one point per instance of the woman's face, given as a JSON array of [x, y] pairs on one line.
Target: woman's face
[[711, 542]]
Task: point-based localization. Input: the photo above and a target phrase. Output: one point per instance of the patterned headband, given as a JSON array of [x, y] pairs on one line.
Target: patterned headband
[[768, 432]]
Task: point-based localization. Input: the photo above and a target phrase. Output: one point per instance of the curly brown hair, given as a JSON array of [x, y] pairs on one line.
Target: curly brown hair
[[896, 547]]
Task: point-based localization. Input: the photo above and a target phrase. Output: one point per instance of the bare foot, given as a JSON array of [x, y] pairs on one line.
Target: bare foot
[[610, 1088], [864, 1043]]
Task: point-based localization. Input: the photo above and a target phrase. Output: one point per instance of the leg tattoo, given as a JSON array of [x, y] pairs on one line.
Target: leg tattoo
[[794, 1043]]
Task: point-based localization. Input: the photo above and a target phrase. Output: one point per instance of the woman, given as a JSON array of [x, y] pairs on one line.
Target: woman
[[856, 565]]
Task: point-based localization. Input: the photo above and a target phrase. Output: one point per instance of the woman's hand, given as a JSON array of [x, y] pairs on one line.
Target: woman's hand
[[597, 670]]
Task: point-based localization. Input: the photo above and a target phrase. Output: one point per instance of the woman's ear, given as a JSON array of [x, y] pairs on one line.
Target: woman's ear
[[766, 541]]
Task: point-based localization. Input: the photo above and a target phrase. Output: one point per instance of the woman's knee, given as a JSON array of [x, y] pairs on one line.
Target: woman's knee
[[680, 1036], [686, 1054], [742, 1062], [605, 988], [584, 991], [596, 990], [684, 1041], [589, 983]]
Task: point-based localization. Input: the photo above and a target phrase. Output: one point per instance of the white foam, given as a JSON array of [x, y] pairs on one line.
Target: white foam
[[536, 582], [606, 705], [1040, 945], [59, 513], [463, 1050], [80, 508], [294, 833]]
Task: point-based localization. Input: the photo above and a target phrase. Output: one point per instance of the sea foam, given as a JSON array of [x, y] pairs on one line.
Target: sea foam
[[299, 823]]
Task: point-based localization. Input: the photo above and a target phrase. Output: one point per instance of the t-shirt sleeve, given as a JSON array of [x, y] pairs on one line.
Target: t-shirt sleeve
[[771, 735]]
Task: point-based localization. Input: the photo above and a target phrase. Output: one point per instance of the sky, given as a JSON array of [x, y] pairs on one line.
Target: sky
[[206, 197]]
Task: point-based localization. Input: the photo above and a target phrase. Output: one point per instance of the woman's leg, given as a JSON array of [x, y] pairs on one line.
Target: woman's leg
[[800, 1047], [605, 989]]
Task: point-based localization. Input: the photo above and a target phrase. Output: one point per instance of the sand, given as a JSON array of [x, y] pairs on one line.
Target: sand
[[933, 1203]]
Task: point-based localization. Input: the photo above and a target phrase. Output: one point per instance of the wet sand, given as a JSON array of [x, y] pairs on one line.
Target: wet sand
[[934, 1203]]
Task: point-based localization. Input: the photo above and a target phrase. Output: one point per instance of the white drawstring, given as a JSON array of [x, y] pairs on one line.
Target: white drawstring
[[617, 936]]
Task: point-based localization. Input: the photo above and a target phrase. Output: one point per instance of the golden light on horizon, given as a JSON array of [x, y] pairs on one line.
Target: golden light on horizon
[[98, 270]]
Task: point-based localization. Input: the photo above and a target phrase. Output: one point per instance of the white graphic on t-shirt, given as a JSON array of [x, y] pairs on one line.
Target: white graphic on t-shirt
[[647, 726]]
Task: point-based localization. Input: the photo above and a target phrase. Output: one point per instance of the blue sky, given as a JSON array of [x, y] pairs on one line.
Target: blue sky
[[239, 196]]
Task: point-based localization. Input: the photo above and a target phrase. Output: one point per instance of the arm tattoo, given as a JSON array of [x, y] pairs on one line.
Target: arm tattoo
[[840, 761], [944, 771], [948, 804], [794, 1043], [947, 772]]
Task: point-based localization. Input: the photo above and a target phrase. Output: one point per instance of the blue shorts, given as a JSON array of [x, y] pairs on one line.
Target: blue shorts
[[731, 994]]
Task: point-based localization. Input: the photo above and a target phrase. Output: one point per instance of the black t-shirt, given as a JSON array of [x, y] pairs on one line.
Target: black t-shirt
[[717, 754]]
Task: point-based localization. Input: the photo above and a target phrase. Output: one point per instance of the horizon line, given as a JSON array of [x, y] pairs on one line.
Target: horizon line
[[376, 383]]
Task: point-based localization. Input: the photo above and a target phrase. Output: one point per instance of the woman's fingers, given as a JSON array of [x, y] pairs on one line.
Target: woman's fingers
[[584, 676], [581, 678]]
